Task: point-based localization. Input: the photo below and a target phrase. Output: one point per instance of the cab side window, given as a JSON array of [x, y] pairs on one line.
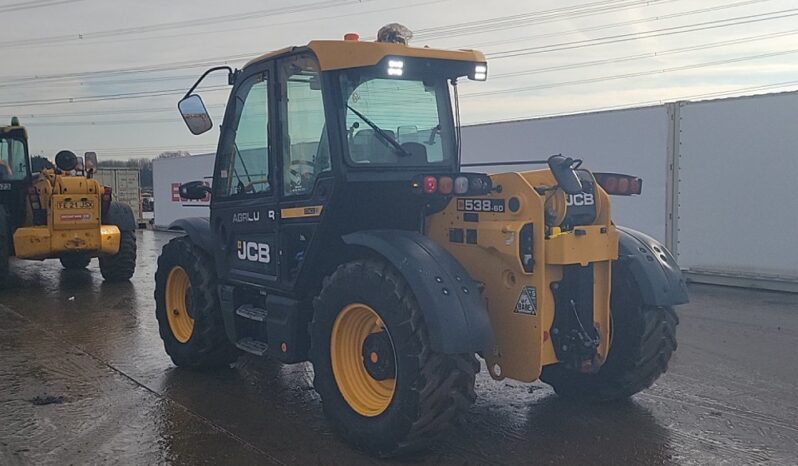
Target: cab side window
[[245, 152], [12, 160], [305, 149]]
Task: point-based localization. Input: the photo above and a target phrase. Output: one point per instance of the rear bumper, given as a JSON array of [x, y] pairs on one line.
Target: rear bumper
[[42, 243]]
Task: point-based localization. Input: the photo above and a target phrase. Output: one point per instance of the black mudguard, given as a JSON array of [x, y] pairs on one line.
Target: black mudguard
[[121, 215], [653, 267], [453, 307], [198, 230]]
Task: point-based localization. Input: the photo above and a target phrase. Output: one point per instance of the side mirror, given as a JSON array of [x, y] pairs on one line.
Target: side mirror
[[195, 114], [563, 170], [194, 190], [90, 162]]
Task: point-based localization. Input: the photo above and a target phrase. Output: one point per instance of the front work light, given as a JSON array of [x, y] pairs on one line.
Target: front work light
[[395, 67], [480, 72]]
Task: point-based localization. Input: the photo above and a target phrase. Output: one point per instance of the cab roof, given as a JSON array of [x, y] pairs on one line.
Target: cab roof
[[9, 129], [339, 54]]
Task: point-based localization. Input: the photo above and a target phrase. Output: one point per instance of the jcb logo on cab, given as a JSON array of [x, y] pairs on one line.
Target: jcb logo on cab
[[254, 252]]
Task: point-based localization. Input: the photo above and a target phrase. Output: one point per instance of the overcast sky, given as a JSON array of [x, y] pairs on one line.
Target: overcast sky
[[74, 71]]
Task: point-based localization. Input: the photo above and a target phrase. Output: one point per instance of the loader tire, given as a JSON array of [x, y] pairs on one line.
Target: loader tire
[[382, 387], [122, 265], [187, 308], [5, 247], [643, 340], [75, 261]]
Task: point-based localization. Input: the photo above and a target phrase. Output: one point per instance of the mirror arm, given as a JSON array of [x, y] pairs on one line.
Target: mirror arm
[[231, 76]]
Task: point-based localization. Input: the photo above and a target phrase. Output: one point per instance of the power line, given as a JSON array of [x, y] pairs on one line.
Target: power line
[[578, 44], [303, 21], [487, 93], [624, 23], [33, 4], [493, 77], [98, 98], [537, 17], [660, 53], [631, 75], [10, 81], [60, 39]]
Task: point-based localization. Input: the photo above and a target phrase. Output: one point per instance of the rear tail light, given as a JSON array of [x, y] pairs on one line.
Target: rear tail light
[[430, 184], [619, 185], [33, 197], [465, 183], [106, 199], [460, 185], [445, 185]]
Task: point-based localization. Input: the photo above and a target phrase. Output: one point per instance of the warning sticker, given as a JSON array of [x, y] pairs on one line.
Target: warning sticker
[[527, 301]]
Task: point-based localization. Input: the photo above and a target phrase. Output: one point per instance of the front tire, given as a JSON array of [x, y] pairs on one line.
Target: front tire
[[382, 387], [122, 265], [643, 341], [75, 261], [187, 308]]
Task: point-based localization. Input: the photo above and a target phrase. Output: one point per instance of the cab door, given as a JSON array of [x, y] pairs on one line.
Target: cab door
[[244, 213], [306, 177]]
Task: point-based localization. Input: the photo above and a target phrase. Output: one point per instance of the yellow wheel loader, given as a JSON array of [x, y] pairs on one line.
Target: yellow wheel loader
[[60, 212], [343, 232]]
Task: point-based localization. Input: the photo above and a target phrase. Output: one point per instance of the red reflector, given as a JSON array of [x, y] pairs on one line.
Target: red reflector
[[621, 185], [634, 186], [611, 184], [445, 185], [430, 184]]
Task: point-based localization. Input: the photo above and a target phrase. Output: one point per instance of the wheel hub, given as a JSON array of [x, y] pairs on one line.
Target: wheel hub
[[378, 356]]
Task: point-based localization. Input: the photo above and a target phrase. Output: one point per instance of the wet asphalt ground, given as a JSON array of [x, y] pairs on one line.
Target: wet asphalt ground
[[84, 380]]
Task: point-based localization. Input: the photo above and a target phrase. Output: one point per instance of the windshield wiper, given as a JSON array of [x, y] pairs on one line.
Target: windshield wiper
[[381, 133]]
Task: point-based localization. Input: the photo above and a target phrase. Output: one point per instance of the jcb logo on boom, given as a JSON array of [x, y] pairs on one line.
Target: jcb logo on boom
[[254, 252], [579, 199]]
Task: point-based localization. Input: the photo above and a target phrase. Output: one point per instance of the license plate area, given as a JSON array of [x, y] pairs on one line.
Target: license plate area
[[70, 212]]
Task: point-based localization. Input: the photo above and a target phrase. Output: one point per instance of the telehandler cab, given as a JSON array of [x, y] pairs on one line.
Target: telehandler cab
[[342, 232], [63, 213]]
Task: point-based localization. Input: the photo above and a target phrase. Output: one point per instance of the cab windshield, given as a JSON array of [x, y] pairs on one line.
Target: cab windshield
[[391, 121], [13, 163]]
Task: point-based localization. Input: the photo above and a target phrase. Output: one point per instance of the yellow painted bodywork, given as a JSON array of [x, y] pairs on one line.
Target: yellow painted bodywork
[[340, 54], [73, 205], [523, 345]]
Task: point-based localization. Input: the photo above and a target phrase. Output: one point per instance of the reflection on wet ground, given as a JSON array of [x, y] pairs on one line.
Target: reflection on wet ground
[[84, 380]]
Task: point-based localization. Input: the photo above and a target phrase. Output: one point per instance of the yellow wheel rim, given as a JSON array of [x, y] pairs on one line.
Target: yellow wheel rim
[[366, 395], [177, 288]]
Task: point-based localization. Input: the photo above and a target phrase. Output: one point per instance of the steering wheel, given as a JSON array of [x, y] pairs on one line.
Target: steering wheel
[[250, 187]]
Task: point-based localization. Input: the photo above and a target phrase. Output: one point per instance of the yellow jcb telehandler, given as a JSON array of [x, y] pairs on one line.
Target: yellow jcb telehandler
[[343, 232], [60, 212]]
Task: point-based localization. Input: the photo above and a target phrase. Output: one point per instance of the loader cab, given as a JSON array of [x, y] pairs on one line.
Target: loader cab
[[14, 171], [324, 140]]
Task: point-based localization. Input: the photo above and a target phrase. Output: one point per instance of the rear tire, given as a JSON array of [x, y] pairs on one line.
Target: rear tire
[[75, 261], [5, 247], [430, 392], [122, 265], [193, 335], [643, 340]]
